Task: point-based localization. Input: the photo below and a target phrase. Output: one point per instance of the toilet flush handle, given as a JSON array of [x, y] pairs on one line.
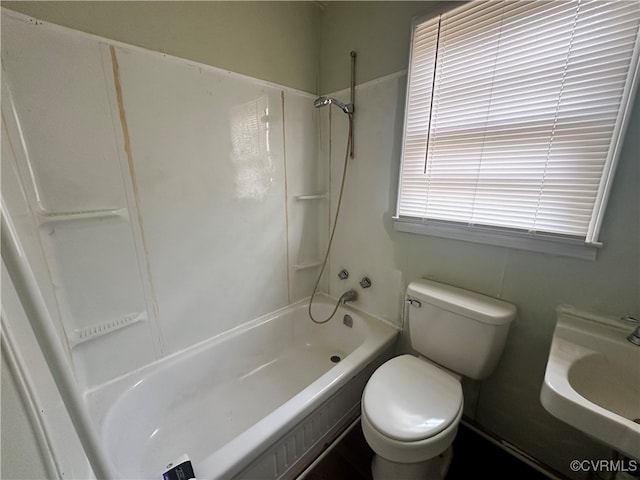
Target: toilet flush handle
[[414, 303]]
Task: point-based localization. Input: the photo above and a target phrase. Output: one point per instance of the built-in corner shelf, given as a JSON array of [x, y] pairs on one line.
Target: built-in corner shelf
[[313, 196], [306, 265], [82, 335], [46, 217]]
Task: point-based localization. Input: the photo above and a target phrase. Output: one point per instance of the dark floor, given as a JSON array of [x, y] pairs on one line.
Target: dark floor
[[473, 457]]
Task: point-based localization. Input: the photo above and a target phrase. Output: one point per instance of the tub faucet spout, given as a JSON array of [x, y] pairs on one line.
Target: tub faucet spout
[[348, 296]]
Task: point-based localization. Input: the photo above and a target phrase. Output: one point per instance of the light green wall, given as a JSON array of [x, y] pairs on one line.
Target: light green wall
[[273, 41], [379, 32]]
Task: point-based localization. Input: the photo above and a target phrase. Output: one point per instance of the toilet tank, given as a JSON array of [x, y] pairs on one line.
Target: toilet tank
[[460, 330]]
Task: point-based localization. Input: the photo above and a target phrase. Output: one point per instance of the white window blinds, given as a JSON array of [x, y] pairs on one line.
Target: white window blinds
[[514, 116]]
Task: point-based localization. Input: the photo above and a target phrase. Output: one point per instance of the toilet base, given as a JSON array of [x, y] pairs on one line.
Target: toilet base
[[433, 469]]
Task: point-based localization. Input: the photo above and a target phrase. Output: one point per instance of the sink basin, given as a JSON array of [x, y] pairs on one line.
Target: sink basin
[[592, 380]]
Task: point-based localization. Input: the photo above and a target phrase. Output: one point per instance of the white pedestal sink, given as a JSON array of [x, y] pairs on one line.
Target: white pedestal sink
[[592, 380]]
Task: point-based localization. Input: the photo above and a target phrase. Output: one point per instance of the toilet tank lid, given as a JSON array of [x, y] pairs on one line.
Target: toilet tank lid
[[463, 302]]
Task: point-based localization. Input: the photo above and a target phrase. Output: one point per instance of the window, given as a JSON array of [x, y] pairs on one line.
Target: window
[[515, 114]]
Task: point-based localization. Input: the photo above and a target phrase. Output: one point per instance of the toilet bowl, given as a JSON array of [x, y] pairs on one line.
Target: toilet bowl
[[410, 414], [411, 406]]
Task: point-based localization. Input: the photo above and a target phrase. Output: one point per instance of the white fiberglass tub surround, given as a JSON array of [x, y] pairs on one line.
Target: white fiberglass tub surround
[[255, 402]]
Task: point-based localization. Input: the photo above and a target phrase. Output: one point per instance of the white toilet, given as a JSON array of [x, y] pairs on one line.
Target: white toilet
[[411, 406]]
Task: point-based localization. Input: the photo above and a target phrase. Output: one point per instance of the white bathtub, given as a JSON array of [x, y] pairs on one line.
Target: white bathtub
[[257, 402]]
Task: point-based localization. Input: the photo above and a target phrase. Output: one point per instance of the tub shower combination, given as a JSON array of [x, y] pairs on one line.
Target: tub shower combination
[[255, 399], [259, 401]]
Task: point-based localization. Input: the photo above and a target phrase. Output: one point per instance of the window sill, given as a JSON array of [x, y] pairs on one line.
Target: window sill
[[568, 247]]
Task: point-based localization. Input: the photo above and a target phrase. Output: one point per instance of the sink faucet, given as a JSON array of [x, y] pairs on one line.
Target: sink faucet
[[634, 337], [352, 296]]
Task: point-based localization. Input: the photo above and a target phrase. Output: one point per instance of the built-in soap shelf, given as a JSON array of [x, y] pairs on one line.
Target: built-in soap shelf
[[82, 335], [47, 217], [306, 265], [312, 196]]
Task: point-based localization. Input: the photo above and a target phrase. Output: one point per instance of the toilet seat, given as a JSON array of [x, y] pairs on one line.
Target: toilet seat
[[408, 399], [408, 452]]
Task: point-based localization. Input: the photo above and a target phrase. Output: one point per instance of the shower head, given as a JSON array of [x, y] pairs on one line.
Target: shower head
[[323, 101]]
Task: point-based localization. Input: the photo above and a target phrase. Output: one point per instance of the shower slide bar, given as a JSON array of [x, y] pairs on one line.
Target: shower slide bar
[[36, 311]]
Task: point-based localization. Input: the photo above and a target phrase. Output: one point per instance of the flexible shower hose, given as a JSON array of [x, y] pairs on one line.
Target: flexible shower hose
[[333, 231]]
